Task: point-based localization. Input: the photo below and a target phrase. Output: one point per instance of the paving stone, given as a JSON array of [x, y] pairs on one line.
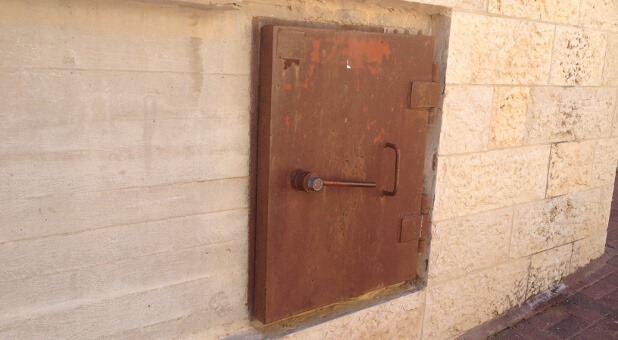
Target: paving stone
[[568, 327], [611, 250], [531, 331], [609, 323], [581, 312], [613, 279], [507, 334], [548, 318], [611, 299], [598, 289], [588, 303], [593, 334], [604, 271]]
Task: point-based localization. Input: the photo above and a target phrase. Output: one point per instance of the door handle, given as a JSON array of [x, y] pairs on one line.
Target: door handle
[[310, 181], [397, 165]]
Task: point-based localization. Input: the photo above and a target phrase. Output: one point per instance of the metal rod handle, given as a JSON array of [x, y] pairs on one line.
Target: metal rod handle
[[309, 181], [349, 184], [397, 165]]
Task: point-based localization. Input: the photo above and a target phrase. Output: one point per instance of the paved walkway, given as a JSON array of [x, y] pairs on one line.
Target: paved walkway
[[588, 309]]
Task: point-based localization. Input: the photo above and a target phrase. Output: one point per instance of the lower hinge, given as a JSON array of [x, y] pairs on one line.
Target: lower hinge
[[425, 225], [415, 228]]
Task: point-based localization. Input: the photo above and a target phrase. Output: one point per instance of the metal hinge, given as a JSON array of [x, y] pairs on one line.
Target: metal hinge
[[416, 228], [427, 94], [426, 223]]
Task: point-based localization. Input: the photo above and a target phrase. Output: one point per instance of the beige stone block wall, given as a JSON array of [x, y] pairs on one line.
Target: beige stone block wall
[[398, 319], [125, 147], [493, 50], [484, 181], [558, 114], [466, 113], [587, 249], [548, 268], [450, 257], [570, 167], [563, 12], [610, 76], [538, 192], [458, 305], [508, 117], [578, 56], [615, 131]]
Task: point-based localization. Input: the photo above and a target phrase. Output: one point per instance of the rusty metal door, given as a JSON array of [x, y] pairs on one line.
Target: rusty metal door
[[342, 128]]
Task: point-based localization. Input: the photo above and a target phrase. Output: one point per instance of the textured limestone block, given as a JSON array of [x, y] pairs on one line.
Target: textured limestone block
[[578, 57], [615, 130], [66, 253], [587, 249], [367, 13], [466, 244], [564, 12], [219, 301], [116, 36], [508, 116], [610, 71], [51, 215], [104, 130], [465, 119], [542, 225], [210, 4], [466, 4], [492, 50], [123, 277], [479, 182], [64, 173], [400, 318], [557, 114], [190, 327], [455, 306], [83, 97], [570, 167], [605, 159], [605, 206], [548, 268], [601, 14]]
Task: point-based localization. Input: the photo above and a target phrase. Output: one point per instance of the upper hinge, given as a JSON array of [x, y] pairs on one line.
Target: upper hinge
[[424, 95], [427, 94]]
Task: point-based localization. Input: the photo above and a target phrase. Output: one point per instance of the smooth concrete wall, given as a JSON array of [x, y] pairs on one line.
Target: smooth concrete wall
[[124, 162], [125, 147]]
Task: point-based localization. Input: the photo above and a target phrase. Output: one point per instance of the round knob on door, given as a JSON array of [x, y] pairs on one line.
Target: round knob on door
[[306, 181]]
